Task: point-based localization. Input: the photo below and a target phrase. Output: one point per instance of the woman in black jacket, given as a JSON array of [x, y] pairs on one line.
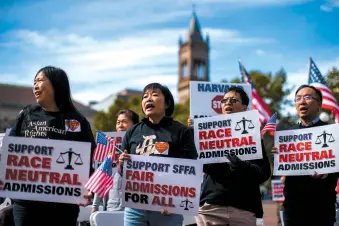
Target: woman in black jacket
[[141, 139], [54, 117]]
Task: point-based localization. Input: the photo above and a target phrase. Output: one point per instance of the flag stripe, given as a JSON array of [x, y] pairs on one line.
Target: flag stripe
[[318, 81], [257, 102], [271, 126], [101, 181]]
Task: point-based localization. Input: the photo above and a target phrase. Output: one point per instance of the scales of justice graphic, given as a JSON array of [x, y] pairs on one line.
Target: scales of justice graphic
[[61, 160], [245, 127], [186, 203], [325, 135]]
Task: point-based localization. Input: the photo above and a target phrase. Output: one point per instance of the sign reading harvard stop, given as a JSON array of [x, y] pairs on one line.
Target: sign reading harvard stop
[[216, 104]]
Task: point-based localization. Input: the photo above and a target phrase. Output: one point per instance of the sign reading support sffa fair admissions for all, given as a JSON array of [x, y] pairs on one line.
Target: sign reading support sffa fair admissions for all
[[305, 151], [158, 184], [206, 97], [218, 136], [44, 169]]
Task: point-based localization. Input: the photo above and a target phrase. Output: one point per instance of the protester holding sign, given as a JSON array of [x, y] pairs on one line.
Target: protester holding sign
[[157, 135], [125, 120], [54, 117], [230, 191], [309, 200]]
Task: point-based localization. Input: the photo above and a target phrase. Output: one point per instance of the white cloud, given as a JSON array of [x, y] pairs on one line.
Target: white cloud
[[329, 5], [100, 91], [260, 52], [126, 60]]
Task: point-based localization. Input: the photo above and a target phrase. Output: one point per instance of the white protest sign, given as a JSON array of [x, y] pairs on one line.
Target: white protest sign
[[205, 97], [305, 151], [238, 133], [118, 136], [158, 183], [1, 138], [277, 190], [44, 169]]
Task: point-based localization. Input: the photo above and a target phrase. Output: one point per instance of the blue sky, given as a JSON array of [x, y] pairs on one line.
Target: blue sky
[[106, 46]]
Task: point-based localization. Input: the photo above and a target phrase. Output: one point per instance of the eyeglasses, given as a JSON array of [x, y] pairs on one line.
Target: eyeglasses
[[307, 98], [231, 99]]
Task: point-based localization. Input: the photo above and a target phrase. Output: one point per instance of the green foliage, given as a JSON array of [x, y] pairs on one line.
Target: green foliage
[[333, 82], [181, 112], [106, 121], [271, 88]]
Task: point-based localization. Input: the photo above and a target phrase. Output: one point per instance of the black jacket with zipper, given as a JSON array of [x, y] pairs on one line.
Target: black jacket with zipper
[[238, 188]]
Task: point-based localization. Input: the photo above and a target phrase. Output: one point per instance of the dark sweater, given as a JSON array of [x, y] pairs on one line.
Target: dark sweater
[[142, 138], [239, 188]]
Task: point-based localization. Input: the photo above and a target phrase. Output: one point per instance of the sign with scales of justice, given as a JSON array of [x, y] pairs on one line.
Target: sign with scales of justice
[[218, 136], [44, 169], [70, 153], [244, 121], [324, 135], [185, 204], [308, 150]]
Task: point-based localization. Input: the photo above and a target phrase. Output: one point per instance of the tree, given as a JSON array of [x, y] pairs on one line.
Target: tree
[[106, 121], [272, 89], [181, 112], [333, 82]]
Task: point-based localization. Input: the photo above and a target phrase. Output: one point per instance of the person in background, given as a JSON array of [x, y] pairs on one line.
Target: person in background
[[112, 202], [54, 117], [141, 139], [230, 191], [309, 200]]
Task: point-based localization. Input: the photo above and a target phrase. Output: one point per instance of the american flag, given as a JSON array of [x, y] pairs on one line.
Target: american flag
[[105, 144], [257, 103], [316, 79], [101, 181], [270, 126]]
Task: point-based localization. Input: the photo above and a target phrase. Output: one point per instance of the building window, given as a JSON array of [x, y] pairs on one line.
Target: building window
[[200, 69], [184, 68]]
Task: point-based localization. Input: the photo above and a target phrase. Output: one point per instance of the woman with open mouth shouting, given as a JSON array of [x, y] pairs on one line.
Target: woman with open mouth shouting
[[157, 128]]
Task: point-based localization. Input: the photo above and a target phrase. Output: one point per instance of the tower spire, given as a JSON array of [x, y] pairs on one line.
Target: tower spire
[[194, 33]]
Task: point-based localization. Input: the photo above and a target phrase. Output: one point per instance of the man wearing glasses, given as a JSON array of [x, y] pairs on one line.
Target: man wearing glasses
[[309, 200], [230, 194]]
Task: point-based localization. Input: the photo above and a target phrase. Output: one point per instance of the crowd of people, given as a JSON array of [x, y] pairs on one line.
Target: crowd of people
[[230, 193]]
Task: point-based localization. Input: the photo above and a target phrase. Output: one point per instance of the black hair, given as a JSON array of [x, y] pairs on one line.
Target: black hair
[[134, 117], [169, 100], [62, 91], [317, 91], [243, 95]]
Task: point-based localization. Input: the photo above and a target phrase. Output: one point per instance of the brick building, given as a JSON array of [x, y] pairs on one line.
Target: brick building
[[13, 98]]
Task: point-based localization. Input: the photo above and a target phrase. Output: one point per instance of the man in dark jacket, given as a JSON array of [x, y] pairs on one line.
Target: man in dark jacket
[[230, 191], [309, 200]]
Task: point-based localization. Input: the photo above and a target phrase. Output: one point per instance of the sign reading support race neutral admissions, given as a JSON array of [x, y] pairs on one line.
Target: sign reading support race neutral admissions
[[218, 136], [44, 170]]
